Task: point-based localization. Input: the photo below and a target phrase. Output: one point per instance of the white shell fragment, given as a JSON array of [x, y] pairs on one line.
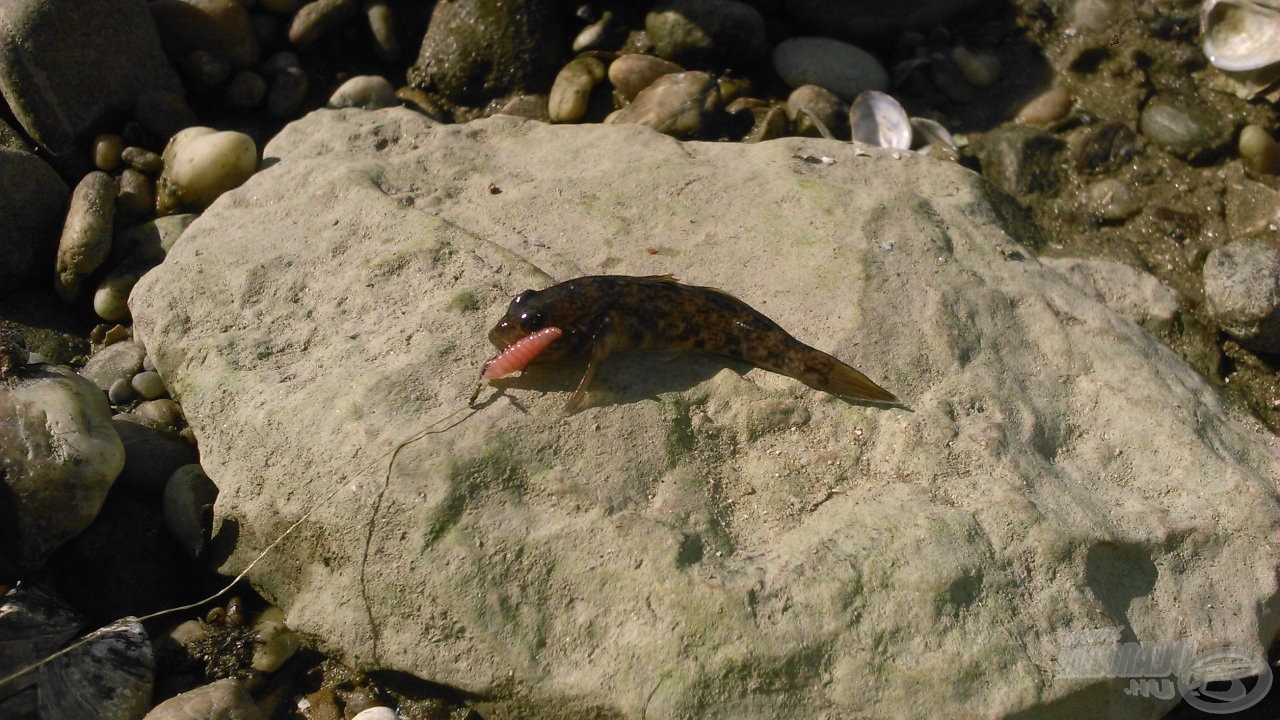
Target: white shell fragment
[[1241, 35], [877, 119], [931, 132]]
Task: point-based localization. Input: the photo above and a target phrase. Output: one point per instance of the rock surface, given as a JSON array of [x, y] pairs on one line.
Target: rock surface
[[705, 540], [109, 677], [32, 208]]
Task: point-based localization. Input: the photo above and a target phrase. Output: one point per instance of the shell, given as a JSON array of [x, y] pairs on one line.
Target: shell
[[1241, 35], [931, 132], [877, 119]]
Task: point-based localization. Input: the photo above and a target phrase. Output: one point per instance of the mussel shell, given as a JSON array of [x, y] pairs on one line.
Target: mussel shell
[[1241, 35], [877, 119]]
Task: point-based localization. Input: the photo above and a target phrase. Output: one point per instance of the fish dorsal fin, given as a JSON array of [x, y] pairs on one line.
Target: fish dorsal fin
[[659, 278], [669, 278]]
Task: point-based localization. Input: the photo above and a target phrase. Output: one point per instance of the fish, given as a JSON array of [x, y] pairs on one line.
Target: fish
[[598, 315]]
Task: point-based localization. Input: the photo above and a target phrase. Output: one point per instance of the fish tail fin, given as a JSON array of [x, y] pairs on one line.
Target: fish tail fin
[[845, 380]]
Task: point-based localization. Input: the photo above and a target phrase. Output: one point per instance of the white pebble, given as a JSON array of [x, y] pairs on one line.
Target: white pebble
[[370, 92], [378, 712], [200, 164]]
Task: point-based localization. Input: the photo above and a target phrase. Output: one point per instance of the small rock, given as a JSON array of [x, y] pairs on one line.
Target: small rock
[[371, 92], [634, 72], [1259, 150], [86, 236], [135, 197], [1184, 125], [679, 104], [246, 90], [200, 164], [1105, 148], [809, 103], [142, 160], [188, 498], [1045, 108], [121, 392], [1022, 161], [382, 27], [533, 107], [316, 19], [274, 644], [1242, 292], [378, 712], [707, 32], [221, 700], [322, 705], [34, 208], [572, 89], [149, 385], [121, 360], [839, 67], [34, 622], [106, 152], [151, 455], [1112, 199], [596, 34], [109, 677], [60, 456], [163, 412], [288, 90], [220, 27]]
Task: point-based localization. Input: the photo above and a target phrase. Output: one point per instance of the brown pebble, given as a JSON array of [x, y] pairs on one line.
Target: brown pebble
[[136, 199], [142, 160], [1045, 108], [106, 152], [1259, 150], [315, 19]]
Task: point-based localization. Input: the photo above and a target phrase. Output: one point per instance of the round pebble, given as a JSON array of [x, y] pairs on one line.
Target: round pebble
[[106, 152], [86, 235], [678, 104], [149, 385], [274, 644], [246, 90], [113, 362], [142, 160], [1242, 292], [837, 66], [371, 92], [222, 699], [316, 19], [111, 299], [633, 72], [1045, 108], [378, 712], [595, 34], [218, 26], [163, 412], [382, 27], [1259, 150], [1112, 199], [121, 392], [1184, 125], [206, 70], [572, 89], [200, 164]]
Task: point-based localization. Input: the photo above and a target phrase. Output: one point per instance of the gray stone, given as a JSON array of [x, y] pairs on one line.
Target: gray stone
[[34, 622], [188, 506], [478, 50], [702, 33], [149, 385], [382, 26], [1242, 292], [246, 90], [33, 204], [66, 66], [109, 677], [117, 361], [842, 68], [135, 197], [219, 27], [59, 456], [1185, 125], [679, 104], [221, 700], [318, 18], [371, 92], [121, 392], [151, 454], [86, 234], [705, 540]]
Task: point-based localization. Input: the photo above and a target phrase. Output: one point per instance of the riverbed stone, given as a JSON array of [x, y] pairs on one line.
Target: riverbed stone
[[33, 205], [704, 539]]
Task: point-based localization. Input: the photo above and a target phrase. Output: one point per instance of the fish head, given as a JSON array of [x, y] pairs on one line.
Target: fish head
[[524, 315]]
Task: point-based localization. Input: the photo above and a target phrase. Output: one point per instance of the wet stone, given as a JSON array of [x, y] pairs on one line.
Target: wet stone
[[106, 152], [109, 677], [1022, 161], [121, 392], [121, 360], [142, 160], [371, 92], [1184, 125], [34, 622], [149, 385], [151, 454], [188, 498], [1106, 148]]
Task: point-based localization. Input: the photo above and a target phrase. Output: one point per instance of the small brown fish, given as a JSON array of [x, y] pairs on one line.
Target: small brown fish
[[601, 314]]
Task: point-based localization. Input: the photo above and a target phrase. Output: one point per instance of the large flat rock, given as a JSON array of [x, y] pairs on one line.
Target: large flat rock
[[706, 540]]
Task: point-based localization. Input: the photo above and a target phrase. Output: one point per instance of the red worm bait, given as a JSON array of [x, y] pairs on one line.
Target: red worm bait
[[518, 355]]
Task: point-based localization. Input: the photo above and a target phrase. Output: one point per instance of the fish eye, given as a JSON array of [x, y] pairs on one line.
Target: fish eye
[[530, 321]]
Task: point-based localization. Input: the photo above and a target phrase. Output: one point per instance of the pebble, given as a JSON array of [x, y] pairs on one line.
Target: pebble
[[206, 70], [161, 411], [33, 622], [220, 27], [246, 90], [142, 160], [106, 151], [809, 102], [533, 107], [371, 92], [221, 700], [837, 66], [979, 69], [151, 454], [1112, 199], [1045, 108], [108, 677], [188, 495], [707, 32], [377, 712], [594, 35], [633, 72], [1260, 152], [288, 90], [120, 360], [149, 385], [571, 91], [135, 197], [316, 19], [274, 644], [321, 705], [200, 164], [1022, 161], [121, 392], [1105, 147], [382, 27], [86, 235], [1242, 292], [1184, 125], [678, 104]]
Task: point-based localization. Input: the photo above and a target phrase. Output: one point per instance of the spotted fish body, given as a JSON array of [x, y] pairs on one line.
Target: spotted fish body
[[602, 314]]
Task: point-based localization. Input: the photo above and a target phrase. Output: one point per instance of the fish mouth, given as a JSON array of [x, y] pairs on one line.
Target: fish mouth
[[505, 334]]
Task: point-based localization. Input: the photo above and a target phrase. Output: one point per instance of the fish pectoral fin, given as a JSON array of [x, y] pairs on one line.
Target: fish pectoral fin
[[603, 342]]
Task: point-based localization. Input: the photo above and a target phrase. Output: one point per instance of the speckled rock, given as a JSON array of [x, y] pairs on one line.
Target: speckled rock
[[842, 68], [633, 72], [33, 203], [1137, 295], [86, 234], [59, 90], [109, 677], [220, 27], [34, 622], [698, 33], [1059, 469], [59, 456], [1242, 292], [679, 104], [478, 50], [221, 700]]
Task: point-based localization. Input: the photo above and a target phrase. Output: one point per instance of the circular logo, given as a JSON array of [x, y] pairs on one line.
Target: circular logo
[[1211, 683]]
